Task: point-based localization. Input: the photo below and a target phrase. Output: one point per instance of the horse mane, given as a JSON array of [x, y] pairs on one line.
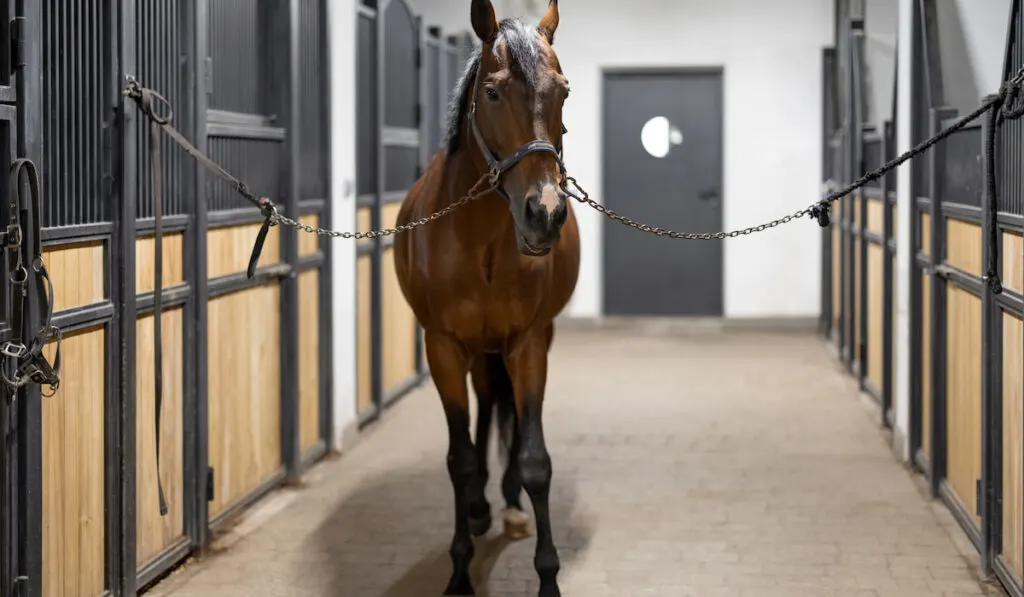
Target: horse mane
[[523, 54]]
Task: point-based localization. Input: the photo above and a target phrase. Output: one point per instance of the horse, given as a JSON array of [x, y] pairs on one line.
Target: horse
[[486, 281]]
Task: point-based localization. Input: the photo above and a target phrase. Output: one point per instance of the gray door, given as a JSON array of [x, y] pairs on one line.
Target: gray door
[[663, 166]]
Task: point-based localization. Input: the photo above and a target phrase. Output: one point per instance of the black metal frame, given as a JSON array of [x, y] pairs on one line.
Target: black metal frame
[[122, 165]]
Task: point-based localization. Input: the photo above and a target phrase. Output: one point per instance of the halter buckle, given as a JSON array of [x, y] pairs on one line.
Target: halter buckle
[[14, 236], [494, 177], [14, 350]]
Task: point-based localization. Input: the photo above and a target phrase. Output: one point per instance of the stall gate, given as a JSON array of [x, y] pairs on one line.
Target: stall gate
[[967, 369], [405, 73], [245, 373]]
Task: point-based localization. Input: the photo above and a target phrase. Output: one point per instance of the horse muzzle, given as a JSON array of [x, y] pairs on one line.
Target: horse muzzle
[[539, 225]]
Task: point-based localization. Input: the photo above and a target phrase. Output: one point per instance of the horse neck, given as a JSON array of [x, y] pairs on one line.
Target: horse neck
[[486, 219]]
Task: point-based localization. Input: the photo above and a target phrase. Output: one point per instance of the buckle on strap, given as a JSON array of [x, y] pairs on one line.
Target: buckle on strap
[[14, 350]]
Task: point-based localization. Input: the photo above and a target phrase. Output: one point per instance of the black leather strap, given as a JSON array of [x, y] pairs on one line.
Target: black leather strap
[[156, 163]]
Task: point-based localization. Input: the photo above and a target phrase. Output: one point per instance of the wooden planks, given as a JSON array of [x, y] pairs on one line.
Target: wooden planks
[[145, 262], [858, 307], [926, 233], [963, 246], [244, 386], [1013, 463], [963, 395], [309, 359], [364, 354], [154, 532], [876, 216], [876, 303], [1011, 256], [77, 271], [399, 328], [228, 249], [836, 269], [309, 244], [73, 428], [926, 366]]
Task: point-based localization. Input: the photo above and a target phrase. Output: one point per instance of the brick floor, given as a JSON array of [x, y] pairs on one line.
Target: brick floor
[[699, 464]]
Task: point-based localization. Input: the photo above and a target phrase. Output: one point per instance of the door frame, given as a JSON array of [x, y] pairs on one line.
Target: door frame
[[608, 72]]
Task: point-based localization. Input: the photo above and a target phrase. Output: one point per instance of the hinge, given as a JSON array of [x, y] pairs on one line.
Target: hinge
[[977, 497], [21, 586], [209, 484], [17, 33], [208, 75]]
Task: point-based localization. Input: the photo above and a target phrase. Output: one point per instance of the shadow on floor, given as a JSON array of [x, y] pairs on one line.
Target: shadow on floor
[[390, 537]]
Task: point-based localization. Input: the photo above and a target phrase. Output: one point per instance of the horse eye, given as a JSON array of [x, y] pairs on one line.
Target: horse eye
[[492, 93]]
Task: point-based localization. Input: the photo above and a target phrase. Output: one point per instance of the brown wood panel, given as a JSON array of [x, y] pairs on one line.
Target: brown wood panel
[[73, 479], [244, 391], [963, 394], [399, 328], [145, 261], [1011, 256], [76, 270], [364, 354], [836, 269], [155, 532], [309, 358], [364, 219], [876, 302], [926, 365], [857, 306], [856, 209], [963, 245], [389, 214], [309, 243], [876, 216], [1013, 463], [228, 249], [926, 233]]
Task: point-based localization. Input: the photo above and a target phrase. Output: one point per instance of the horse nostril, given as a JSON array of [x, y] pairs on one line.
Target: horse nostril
[[561, 211]]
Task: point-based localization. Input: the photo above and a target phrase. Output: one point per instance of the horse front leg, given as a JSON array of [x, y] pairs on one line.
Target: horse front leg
[[448, 365], [527, 365]]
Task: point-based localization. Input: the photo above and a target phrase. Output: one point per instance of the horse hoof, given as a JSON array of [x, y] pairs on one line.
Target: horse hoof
[[517, 523], [479, 526], [459, 587]]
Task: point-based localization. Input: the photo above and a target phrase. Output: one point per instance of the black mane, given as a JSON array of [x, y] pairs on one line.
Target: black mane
[[523, 53]]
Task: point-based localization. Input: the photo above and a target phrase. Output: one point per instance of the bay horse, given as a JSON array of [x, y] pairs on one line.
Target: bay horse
[[487, 281]]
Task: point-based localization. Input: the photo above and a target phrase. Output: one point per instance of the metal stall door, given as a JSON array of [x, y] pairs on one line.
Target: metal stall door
[[247, 367]]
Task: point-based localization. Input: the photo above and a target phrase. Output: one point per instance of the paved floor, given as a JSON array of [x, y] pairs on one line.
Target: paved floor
[[688, 464]]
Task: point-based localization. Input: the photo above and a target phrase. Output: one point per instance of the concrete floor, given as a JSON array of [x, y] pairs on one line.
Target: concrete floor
[[703, 464]]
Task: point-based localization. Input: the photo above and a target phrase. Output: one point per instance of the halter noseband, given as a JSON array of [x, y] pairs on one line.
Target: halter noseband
[[497, 168]]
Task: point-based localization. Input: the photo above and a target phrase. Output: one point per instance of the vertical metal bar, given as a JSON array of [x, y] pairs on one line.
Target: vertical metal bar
[[124, 195], [188, 71], [991, 369], [201, 522], [327, 216], [283, 30], [916, 290], [29, 411], [888, 286], [376, 285], [827, 72]]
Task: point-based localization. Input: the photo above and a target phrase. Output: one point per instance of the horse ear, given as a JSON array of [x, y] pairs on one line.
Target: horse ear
[[549, 23], [485, 23]]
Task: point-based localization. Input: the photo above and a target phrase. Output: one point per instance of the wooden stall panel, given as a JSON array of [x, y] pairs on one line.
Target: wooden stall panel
[[926, 366], [77, 271], [876, 302], [1013, 463], [363, 219], [73, 479], [145, 262], [963, 395], [963, 246], [858, 307], [309, 243], [836, 269], [876, 216], [156, 533], [244, 382], [926, 233], [389, 214], [228, 249], [1011, 255], [399, 329], [309, 359], [364, 355]]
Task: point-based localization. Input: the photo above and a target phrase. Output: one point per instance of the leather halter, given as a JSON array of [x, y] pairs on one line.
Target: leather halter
[[497, 168]]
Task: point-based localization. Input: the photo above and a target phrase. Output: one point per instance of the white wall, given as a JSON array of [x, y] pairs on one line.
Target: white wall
[[342, 18], [984, 23], [771, 53]]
